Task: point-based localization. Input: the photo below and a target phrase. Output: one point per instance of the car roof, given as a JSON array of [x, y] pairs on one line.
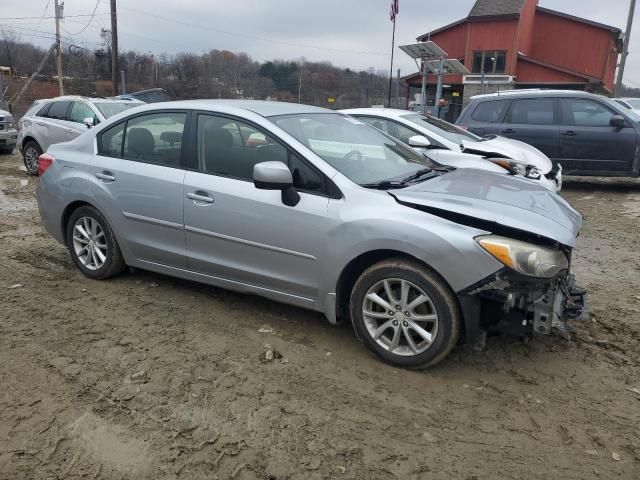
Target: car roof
[[70, 98], [383, 112], [533, 93], [263, 108]]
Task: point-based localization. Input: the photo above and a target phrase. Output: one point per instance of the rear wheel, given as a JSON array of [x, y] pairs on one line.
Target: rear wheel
[[30, 154], [405, 314], [93, 245]]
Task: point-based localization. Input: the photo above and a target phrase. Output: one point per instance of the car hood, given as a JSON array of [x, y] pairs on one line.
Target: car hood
[[515, 150], [497, 199]]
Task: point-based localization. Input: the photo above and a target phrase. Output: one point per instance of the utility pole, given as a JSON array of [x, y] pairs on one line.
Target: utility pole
[[59, 14], [300, 87], [114, 49], [625, 48]]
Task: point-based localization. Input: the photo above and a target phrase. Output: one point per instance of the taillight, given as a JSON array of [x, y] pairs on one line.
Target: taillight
[[44, 162]]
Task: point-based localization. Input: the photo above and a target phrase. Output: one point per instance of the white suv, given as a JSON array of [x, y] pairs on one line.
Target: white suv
[[62, 119]]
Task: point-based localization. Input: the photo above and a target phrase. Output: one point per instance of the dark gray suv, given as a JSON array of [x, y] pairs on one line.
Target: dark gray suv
[[587, 134]]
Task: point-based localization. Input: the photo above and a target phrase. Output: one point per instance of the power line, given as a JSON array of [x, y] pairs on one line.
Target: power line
[[250, 36], [44, 12], [93, 14], [43, 17]]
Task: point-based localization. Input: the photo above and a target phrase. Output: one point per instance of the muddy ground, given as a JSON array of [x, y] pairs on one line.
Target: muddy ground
[[149, 377]]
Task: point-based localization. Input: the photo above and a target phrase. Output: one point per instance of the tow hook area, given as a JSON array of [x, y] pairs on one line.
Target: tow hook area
[[515, 305], [562, 302]]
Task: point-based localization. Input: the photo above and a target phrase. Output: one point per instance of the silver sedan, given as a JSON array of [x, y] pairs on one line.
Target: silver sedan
[[316, 209]]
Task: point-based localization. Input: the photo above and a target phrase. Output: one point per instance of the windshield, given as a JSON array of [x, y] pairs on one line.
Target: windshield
[[631, 114], [360, 152], [634, 102], [109, 109], [444, 129]]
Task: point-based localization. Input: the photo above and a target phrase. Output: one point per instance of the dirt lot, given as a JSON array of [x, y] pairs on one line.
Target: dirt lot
[[148, 377]]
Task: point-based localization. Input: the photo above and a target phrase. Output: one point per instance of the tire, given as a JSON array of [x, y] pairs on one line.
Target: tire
[[412, 350], [93, 266], [31, 148]]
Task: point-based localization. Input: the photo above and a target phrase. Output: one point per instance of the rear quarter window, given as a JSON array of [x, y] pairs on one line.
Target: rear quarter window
[[490, 112]]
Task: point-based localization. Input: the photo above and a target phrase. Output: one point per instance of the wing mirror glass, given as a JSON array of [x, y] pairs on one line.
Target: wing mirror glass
[[89, 122], [618, 121], [419, 141], [276, 176]]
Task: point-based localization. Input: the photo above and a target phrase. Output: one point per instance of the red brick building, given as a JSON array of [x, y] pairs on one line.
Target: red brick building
[[519, 44]]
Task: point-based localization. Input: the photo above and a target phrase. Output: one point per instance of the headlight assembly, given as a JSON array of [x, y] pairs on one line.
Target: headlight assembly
[[526, 258], [517, 168]]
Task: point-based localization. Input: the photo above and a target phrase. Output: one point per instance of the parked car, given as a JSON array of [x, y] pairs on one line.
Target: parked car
[[587, 134], [8, 133], [629, 103], [62, 119], [451, 145], [151, 95], [310, 207]]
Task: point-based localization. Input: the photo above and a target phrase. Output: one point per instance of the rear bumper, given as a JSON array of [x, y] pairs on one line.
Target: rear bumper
[[515, 304], [49, 211]]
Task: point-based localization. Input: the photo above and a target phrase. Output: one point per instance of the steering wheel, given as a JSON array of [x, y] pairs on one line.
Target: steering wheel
[[354, 153]]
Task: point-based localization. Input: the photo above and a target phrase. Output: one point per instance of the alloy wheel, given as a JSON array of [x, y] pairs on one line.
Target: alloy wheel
[[90, 243], [400, 317], [31, 158]]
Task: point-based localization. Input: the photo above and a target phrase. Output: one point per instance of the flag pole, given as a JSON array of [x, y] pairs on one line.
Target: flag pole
[[393, 44]]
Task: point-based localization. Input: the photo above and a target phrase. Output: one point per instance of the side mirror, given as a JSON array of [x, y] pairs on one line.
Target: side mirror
[[419, 141], [618, 121], [88, 122], [276, 176]]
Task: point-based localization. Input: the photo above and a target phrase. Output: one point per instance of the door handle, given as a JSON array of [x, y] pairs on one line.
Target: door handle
[[199, 197], [509, 131], [106, 176], [569, 133]]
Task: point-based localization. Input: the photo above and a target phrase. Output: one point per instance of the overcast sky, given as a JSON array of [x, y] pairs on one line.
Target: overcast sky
[[344, 32]]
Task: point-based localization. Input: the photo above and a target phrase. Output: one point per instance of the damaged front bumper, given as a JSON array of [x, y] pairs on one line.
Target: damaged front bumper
[[511, 303]]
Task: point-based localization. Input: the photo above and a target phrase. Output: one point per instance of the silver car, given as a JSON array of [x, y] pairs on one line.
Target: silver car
[[316, 209], [62, 119]]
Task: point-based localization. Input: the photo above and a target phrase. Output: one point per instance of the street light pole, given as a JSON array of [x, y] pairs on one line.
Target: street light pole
[[625, 48]]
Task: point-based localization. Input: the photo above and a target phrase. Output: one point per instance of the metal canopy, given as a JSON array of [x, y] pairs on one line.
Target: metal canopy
[[424, 50], [451, 66]]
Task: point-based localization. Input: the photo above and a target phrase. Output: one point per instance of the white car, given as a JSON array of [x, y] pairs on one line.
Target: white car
[[62, 119], [629, 103], [450, 145]]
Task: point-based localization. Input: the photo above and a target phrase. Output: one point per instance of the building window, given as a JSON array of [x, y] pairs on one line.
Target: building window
[[493, 62]]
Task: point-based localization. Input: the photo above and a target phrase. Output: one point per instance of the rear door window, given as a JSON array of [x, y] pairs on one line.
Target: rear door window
[[155, 138], [490, 112], [531, 112], [58, 110]]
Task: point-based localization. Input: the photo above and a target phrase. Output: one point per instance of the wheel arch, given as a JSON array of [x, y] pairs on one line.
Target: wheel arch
[[359, 264], [28, 139], [68, 211]]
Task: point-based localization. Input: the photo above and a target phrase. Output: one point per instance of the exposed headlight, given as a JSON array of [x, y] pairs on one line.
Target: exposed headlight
[[517, 168], [526, 258]]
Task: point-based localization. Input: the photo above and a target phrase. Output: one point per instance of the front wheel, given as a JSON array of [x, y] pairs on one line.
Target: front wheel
[[405, 314], [93, 245], [30, 154]]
